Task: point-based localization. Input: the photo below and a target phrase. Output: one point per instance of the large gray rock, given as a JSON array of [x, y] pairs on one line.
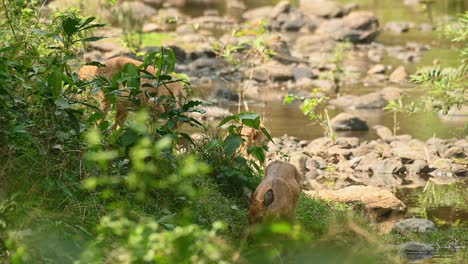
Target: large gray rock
[[387, 166], [348, 122], [357, 27], [378, 202], [414, 225]]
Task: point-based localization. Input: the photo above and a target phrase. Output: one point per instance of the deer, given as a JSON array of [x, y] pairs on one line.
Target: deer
[[276, 197], [146, 95]]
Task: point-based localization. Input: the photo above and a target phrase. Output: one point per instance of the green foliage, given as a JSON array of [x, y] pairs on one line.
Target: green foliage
[[36, 81], [254, 45], [232, 171], [315, 109], [446, 87], [397, 106]]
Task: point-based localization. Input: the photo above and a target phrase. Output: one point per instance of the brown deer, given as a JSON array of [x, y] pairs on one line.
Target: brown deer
[[277, 195], [123, 104]]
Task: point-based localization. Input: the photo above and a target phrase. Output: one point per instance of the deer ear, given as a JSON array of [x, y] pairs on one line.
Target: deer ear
[[268, 198]]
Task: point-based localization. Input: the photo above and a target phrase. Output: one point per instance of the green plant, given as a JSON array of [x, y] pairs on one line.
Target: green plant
[[315, 109], [233, 171], [338, 73], [396, 107], [37, 83], [445, 88], [254, 44]]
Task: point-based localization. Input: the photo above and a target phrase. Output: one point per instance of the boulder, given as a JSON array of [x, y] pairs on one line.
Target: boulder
[[414, 225], [378, 202], [399, 75], [348, 122], [357, 27]]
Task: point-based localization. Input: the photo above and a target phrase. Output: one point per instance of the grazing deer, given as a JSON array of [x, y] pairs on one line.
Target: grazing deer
[[123, 104], [278, 193]]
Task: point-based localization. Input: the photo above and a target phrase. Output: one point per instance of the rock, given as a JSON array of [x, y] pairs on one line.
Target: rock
[[322, 8], [365, 162], [348, 122], [315, 163], [414, 225], [327, 86], [302, 72], [397, 27], [416, 251], [418, 167], [272, 72], [377, 69], [399, 75], [347, 142], [384, 133], [138, 10], [425, 27], [151, 27], [369, 101], [281, 7], [411, 150], [337, 151], [357, 27], [386, 181], [387, 166], [318, 145], [257, 13], [391, 93], [455, 152], [226, 94], [379, 203], [443, 180], [212, 22]]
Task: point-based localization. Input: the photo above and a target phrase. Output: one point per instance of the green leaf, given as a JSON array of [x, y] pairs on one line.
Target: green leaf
[[54, 82], [129, 137], [227, 119], [231, 144], [91, 39], [70, 25], [257, 152], [212, 144], [250, 119]]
